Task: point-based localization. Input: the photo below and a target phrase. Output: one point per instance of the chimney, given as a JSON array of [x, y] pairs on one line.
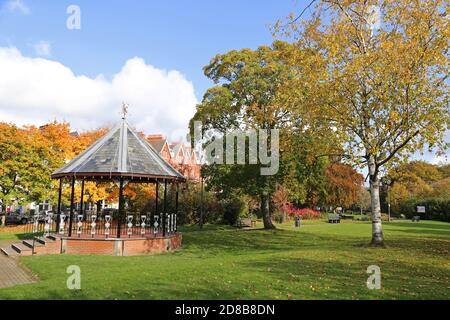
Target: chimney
[[155, 137]]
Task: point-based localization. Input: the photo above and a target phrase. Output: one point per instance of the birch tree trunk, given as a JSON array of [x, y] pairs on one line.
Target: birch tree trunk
[[377, 230]]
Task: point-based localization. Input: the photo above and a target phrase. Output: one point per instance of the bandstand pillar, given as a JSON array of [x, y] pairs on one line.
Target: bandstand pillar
[[72, 200], [165, 208], [82, 198], [119, 218], [58, 213], [201, 203], [156, 199], [176, 202], [176, 199]]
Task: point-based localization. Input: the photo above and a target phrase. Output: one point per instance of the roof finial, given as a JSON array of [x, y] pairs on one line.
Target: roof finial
[[124, 110]]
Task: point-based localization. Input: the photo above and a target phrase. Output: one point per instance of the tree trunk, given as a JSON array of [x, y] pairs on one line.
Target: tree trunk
[[377, 230], [265, 210]]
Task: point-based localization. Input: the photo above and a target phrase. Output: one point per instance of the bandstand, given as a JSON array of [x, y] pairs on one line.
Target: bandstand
[[121, 156]]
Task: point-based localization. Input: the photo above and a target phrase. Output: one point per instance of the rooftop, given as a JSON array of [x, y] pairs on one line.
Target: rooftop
[[121, 152]]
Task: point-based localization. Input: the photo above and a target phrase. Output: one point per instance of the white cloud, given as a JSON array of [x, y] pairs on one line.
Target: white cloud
[[43, 48], [439, 159], [37, 90], [17, 6]]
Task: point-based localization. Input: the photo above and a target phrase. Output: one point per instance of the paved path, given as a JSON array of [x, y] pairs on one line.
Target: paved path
[[7, 243], [12, 273]]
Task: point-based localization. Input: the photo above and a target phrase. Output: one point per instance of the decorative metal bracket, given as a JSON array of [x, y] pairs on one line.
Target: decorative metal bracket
[[48, 223], [62, 223], [130, 225], [79, 224], [93, 224], [156, 225], [143, 219]]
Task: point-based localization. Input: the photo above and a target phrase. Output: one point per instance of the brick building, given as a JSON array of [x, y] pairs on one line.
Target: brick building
[[180, 155]]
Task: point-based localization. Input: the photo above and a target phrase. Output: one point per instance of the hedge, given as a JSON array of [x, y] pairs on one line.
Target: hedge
[[435, 208]]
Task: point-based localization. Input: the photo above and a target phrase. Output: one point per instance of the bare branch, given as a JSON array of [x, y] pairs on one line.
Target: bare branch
[[301, 13], [398, 148]]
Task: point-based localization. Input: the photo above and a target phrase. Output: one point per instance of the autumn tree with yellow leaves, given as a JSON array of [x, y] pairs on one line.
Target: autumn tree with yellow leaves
[[30, 154], [375, 72]]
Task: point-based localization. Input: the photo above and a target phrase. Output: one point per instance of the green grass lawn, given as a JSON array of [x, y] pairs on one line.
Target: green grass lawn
[[317, 261], [17, 236]]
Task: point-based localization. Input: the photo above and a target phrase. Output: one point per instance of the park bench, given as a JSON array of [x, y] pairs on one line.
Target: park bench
[[245, 223], [346, 217], [334, 218], [415, 218]]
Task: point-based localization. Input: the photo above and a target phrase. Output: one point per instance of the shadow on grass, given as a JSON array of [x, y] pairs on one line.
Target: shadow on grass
[[426, 246], [220, 262], [334, 279], [436, 232], [330, 275], [240, 242], [28, 236], [424, 224], [260, 240], [17, 236], [421, 228]]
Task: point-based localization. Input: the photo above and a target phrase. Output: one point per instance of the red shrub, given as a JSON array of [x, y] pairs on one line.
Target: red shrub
[[304, 213]]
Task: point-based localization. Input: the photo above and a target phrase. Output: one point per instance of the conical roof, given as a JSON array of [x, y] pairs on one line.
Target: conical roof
[[120, 153]]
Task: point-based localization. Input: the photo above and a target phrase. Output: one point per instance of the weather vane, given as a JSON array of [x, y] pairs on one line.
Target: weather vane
[[124, 110]]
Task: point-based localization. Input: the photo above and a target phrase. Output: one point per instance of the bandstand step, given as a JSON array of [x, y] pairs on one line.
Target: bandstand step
[[9, 252], [51, 238], [44, 240], [31, 243], [22, 249]]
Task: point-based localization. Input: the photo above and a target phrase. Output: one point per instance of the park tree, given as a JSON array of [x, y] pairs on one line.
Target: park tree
[[442, 188], [247, 97], [244, 98], [13, 164], [30, 154], [25, 166], [444, 169], [417, 179], [344, 185], [58, 139], [63, 145], [364, 201], [136, 194], [377, 73], [425, 171], [305, 176], [280, 200], [43, 160]]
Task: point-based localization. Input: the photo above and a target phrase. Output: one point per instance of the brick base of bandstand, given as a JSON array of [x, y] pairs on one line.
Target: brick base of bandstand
[[100, 246]]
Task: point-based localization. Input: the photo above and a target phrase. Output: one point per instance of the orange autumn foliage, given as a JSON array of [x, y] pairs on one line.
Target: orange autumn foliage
[[344, 185]]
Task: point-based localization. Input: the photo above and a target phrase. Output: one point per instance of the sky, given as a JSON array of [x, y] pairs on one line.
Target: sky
[[149, 54]]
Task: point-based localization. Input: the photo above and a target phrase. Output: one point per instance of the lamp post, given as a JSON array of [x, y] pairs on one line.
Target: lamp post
[[201, 202], [387, 181]]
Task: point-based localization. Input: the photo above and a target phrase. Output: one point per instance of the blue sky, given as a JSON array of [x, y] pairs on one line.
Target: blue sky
[[62, 74], [182, 35], [148, 53]]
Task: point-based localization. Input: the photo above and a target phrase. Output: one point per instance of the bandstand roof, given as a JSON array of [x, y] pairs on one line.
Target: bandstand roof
[[121, 152]]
